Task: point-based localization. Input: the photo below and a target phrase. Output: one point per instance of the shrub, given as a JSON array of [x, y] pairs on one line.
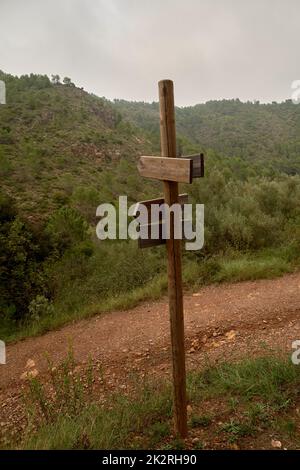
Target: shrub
[[39, 307], [66, 227]]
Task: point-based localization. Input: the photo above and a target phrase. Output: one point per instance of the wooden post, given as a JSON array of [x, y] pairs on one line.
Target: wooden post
[[168, 149]]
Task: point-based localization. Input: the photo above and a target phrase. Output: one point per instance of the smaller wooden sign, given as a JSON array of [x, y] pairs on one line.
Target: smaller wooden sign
[[145, 240], [179, 170]]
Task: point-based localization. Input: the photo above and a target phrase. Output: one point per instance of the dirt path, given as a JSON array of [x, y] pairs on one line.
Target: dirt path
[[228, 321]]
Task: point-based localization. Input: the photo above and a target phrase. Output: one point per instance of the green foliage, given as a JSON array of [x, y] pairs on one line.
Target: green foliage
[[39, 307], [114, 269], [66, 228], [21, 275], [237, 430], [248, 215], [68, 408], [66, 415], [250, 268], [55, 79], [203, 420], [69, 393], [64, 151], [68, 82], [270, 378], [50, 133], [265, 136]]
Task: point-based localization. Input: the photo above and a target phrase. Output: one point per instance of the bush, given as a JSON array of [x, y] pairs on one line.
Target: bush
[[66, 228], [40, 307]]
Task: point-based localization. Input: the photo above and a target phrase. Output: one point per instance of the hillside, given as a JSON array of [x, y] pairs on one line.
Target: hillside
[[267, 134], [64, 151], [59, 144]]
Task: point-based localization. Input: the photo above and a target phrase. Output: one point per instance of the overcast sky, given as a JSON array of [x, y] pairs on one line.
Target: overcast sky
[[212, 49]]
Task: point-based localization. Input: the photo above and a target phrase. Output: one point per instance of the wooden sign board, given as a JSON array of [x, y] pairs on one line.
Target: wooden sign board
[[179, 170], [145, 241], [197, 165]]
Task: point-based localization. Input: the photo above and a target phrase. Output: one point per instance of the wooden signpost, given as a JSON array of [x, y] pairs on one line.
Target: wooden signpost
[[171, 171]]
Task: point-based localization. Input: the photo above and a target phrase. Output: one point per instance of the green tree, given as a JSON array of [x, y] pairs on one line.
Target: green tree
[[55, 79], [68, 82], [66, 228], [20, 259]]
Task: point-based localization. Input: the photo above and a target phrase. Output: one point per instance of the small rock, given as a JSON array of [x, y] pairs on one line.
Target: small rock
[[30, 374], [276, 444], [234, 446], [230, 335], [30, 364], [33, 373]]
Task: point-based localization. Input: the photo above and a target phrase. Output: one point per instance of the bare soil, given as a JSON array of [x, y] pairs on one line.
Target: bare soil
[[223, 322]]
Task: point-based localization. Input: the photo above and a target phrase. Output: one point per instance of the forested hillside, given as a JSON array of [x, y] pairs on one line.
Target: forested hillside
[[58, 143], [268, 134], [64, 151]]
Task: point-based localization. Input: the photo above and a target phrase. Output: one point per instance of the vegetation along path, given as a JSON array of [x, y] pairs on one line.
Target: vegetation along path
[[228, 321]]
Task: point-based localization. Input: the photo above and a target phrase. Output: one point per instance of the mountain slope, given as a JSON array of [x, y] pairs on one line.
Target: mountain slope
[[64, 151], [55, 139], [60, 145], [264, 133]]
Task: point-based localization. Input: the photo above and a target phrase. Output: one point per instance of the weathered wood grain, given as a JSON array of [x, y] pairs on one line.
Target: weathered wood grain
[[179, 170], [197, 164]]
